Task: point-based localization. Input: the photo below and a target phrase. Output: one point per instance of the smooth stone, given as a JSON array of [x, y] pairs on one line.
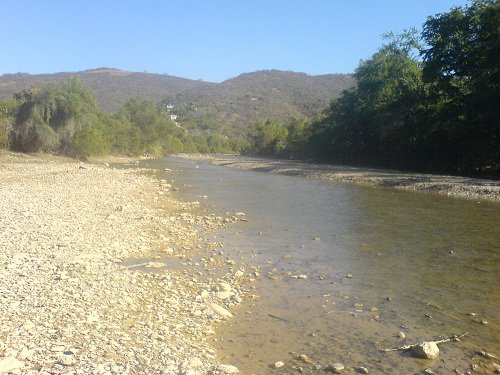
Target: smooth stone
[[401, 335], [28, 326], [221, 310], [224, 294], [9, 364], [25, 354], [363, 370], [229, 369], [337, 367], [425, 350], [224, 287]]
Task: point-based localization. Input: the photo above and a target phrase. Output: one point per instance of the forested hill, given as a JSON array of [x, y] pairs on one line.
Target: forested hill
[[226, 107]]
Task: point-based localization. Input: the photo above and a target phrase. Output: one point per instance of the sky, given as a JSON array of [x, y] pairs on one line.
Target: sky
[[212, 40]]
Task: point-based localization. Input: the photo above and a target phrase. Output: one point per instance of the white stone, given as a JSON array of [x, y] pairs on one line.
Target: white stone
[[229, 369], [425, 350], [25, 354], [224, 287], [337, 367], [221, 310], [9, 364], [224, 294], [28, 325], [279, 364]]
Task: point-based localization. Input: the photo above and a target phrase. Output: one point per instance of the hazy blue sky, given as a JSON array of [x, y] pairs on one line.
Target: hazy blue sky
[[202, 39]]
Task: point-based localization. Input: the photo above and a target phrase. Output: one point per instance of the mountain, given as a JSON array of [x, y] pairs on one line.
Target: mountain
[[227, 107]]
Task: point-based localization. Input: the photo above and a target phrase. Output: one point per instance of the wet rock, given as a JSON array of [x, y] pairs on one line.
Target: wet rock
[[363, 370], [335, 368], [425, 350], [305, 358], [220, 311]]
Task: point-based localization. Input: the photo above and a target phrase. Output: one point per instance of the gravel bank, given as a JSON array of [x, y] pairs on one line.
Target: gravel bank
[[449, 185], [78, 295]]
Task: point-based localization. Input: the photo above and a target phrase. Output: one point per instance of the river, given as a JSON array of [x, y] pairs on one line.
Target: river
[[344, 268]]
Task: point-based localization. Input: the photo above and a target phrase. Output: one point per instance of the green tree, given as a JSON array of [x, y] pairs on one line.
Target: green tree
[[48, 117], [270, 138], [462, 68], [362, 124]]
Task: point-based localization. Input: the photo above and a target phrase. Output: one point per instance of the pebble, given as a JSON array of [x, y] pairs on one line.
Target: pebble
[[401, 335], [363, 370], [279, 364]]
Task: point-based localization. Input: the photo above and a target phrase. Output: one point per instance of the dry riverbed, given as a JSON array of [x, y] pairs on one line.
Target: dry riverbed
[[449, 185], [78, 295]]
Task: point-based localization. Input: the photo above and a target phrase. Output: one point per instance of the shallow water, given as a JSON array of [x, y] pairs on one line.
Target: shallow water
[[378, 261]]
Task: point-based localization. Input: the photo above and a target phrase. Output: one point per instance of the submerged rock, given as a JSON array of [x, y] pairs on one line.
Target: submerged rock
[[335, 368], [221, 311]]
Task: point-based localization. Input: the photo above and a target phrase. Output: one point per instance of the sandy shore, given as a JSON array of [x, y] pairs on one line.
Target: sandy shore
[[448, 185], [78, 244]]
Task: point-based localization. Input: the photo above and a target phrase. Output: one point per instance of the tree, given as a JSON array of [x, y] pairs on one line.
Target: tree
[[7, 110], [270, 138], [462, 68], [48, 117], [361, 124]]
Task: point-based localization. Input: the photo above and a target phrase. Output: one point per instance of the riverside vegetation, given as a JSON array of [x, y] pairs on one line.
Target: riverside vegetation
[[425, 102]]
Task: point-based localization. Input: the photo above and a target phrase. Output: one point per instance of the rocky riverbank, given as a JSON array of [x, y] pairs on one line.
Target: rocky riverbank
[[449, 185], [102, 271]]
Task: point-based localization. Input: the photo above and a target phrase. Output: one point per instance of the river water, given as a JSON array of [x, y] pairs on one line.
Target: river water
[[378, 262]]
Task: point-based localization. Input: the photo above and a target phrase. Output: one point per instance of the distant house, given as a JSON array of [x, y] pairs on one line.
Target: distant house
[[173, 117], [170, 106]]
